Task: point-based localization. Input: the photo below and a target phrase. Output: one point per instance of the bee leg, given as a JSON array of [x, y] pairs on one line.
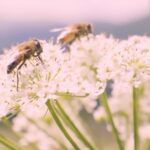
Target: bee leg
[[40, 60], [78, 37], [88, 38], [38, 56], [18, 74], [17, 81], [65, 47]]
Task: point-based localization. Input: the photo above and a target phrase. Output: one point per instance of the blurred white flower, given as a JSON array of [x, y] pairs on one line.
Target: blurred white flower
[[80, 76], [31, 134]]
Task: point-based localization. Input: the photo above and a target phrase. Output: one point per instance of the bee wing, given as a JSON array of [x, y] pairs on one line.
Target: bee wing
[[57, 29]]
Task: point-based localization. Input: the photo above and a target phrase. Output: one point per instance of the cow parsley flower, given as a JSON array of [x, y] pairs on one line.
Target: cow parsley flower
[[73, 72], [79, 76]]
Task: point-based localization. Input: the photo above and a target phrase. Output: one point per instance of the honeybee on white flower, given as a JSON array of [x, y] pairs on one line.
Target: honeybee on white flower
[[24, 51], [72, 32]]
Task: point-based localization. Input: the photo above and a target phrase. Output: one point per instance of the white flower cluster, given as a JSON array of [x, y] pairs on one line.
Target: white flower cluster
[[32, 135], [129, 66], [82, 73], [74, 73]]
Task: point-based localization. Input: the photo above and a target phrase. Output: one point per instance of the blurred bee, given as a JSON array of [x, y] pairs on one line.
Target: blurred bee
[[72, 32], [24, 51]]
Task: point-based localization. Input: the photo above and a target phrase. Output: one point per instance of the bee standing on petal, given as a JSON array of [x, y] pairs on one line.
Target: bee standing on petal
[[24, 51], [70, 33]]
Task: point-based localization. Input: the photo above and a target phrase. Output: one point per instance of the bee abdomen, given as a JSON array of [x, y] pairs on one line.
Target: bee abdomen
[[12, 66], [66, 37], [15, 62]]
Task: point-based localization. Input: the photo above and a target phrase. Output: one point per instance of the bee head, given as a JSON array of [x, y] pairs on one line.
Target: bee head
[[89, 28], [38, 47], [85, 29]]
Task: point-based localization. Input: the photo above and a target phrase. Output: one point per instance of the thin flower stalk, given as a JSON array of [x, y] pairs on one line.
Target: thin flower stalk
[[104, 101], [136, 117], [73, 127], [9, 144], [60, 125]]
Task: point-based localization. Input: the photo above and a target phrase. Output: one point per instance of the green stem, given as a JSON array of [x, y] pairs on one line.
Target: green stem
[[59, 124], [104, 101], [70, 95], [136, 117], [18, 135], [9, 144], [73, 126]]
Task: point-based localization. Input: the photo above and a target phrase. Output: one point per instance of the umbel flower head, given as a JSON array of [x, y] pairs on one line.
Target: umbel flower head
[[129, 67], [72, 73], [82, 72]]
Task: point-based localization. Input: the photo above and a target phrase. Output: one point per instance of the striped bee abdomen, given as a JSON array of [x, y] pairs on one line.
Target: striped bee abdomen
[[13, 64]]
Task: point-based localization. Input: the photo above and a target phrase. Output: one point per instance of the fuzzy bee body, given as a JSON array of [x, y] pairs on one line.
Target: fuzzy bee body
[[72, 32], [31, 47], [24, 51], [66, 37]]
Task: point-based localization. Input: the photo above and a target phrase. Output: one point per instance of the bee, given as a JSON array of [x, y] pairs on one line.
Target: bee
[[24, 51], [72, 32]]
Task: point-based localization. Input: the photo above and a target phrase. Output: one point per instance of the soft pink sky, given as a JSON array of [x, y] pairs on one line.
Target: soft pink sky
[[111, 11]]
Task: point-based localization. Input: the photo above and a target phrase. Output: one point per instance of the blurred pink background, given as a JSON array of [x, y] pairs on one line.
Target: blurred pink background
[[22, 19]]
